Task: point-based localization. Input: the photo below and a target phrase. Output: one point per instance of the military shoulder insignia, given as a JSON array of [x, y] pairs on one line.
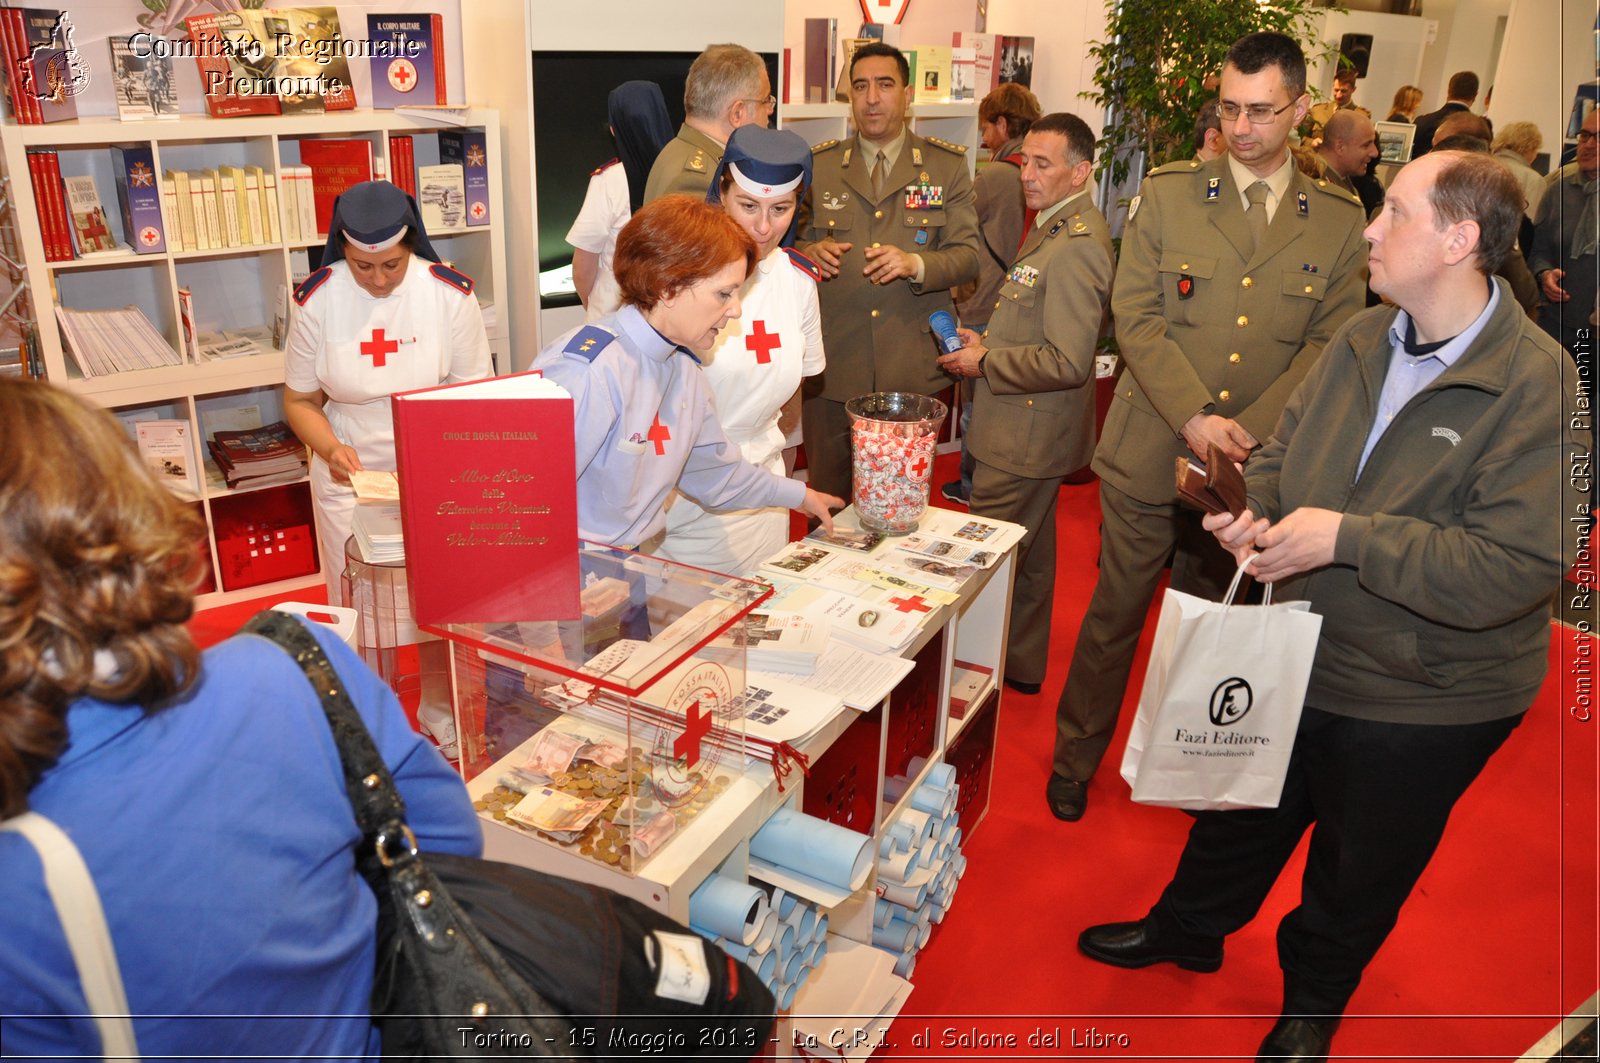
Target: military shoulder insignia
[[804, 264], [824, 146], [695, 162], [1079, 226], [588, 342], [1133, 206], [598, 170], [1181, 166], [1303, 202], [1343, 195], [1213, 189], [303, 290], [453, 277], [959, 149], [1059, 224]]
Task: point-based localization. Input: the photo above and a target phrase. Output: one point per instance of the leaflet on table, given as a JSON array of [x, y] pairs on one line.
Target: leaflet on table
[[865, 625], [930, 570], [861, 679], [884, 587], [802, 560], [996, 535], [949, 551], [781, 642], [842, 538]]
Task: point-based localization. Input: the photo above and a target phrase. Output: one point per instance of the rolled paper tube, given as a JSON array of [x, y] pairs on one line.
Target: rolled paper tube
[[886, 845], [785, 903], [956, 841], [786, 997], [811, 954], [897, 867], [910, 896], [924, 933], [906, 963], [814, 847], [931, 800], [896, 937], [819, 933], [808, 922], [882, 912], [928, 854], [769, 930], [921, 825], [821, 954], [742, 953], [961, 865], [733, 909], [902, 833], [952, 826], [938, 909], [805, 976], [786, 940], [769, 967], [791, 970], [924, 915], [894, 786]]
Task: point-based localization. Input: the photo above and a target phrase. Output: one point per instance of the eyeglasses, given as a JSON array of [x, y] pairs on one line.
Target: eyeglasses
[[1258, 113], [1585, 135], [766, 103]]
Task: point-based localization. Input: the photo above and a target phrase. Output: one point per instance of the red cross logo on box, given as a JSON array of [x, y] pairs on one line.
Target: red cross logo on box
[[697, 724]]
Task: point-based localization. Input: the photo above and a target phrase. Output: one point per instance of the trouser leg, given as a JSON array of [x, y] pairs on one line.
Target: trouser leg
[[1135, 539], [1032, 504], [826, 429]]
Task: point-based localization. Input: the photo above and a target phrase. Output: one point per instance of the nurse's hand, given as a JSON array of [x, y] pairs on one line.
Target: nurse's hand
[[818, 505], [342, 461]]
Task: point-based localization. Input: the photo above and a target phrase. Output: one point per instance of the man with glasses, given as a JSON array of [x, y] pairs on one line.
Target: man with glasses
[[727, 87], [891, 223], [1233, 275], [1564, 247]]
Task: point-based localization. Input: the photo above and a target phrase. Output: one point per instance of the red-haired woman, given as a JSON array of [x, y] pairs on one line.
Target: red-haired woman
[[645, 422]]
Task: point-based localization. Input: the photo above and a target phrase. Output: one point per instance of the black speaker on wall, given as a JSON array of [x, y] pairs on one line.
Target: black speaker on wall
[[1357, 51]]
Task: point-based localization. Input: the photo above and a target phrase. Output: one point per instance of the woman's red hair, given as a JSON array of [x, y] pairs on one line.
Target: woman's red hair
[[673, 243]]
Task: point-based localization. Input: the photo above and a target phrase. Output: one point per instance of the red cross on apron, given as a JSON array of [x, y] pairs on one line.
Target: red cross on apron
[[762, 342], [379, 346]]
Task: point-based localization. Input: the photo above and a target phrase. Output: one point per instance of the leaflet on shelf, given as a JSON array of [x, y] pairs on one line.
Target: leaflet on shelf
[[985, 68], [442, 196], [468, 148], [167, 451], [489, 499], [408, 59], [140, 198], [933, 73], [142, 81]]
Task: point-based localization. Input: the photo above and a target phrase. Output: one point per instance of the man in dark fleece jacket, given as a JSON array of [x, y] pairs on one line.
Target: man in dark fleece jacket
[[1414, 493]]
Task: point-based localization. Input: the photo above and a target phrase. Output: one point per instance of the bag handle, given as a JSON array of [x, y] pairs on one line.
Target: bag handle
[[1238, 578], [380, 810], [71, 889]]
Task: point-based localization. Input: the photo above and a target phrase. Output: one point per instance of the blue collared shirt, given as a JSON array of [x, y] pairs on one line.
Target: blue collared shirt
[[1409, 374], [645, 424]]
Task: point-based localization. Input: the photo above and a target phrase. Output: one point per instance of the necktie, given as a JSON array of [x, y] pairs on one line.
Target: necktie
[[1257, 214], [877, 177]]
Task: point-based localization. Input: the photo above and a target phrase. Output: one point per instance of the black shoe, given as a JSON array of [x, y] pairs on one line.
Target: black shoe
[[1142, 943], [1068, 797], [1023, 688], [1298, 1040], [954, 492]]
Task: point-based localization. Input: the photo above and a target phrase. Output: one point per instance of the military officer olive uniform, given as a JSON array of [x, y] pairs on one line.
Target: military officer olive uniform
[[1204, 323], [1033, 407], [685, 164], [881, 332]]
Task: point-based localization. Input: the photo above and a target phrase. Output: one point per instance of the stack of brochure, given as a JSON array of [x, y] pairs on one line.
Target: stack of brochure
[[377, 533], [784, 642]]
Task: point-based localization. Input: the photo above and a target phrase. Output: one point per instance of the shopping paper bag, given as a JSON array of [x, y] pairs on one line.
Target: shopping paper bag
[[1221, 702]]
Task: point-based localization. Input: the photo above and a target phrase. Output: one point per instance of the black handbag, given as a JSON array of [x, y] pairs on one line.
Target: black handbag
[[479, 958]]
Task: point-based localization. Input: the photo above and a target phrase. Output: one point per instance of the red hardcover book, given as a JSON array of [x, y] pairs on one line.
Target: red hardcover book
[[18, 71], [60, 213], [45, 170], [41, 206], [213, 36], [401, 171], [411, 166], [336, 164], [489, 500]]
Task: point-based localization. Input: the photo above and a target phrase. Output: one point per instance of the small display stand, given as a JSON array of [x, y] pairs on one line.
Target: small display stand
[[607, 736]]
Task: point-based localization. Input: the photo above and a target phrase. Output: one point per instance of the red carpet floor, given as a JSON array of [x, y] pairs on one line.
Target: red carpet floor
[[1498, 942]]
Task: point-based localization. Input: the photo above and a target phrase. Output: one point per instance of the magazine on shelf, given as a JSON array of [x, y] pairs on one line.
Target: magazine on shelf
[[142, 82], [167, 450]]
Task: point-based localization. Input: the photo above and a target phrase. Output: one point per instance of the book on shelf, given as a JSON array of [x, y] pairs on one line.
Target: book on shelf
[[847, 52], [139, 197], [488, 492], [142, 82], [317, 52], [210, 207], [1015, 59], [407, 59], [985, 69], [221, 179], [967, 681], [51, 71], [55, 230], [963, 75], [336, 163], [247, 180], [91, 230], [217, 346], [271, 213], [403, 163], [443, 113], [305, 198], [229, 57], [166, 449], [442, 196], [933, 73], [191, 330], [822, 35], [185, 234], [469, 148], [103, 342], [258, 457]]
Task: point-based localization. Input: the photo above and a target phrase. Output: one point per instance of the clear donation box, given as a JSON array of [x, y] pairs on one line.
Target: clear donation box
[[608, 734]]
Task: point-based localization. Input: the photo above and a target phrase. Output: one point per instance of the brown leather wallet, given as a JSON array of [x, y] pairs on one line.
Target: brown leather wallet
[[1215, 487]]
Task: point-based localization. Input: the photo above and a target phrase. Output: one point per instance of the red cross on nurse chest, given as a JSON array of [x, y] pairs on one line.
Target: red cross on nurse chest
[[761, 342], [379, 347]]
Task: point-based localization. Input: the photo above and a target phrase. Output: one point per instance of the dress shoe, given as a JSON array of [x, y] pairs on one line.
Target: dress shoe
[[955, 492], [1298, 1040], [1144, 943], [1068, 797], [1023, 688]]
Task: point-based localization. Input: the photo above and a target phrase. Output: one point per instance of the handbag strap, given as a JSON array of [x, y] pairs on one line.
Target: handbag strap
[[71, 889], [380, 810]]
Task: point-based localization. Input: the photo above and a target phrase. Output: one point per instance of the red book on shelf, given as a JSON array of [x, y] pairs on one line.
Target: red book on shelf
[[60, 213], [45, 172], [14, 46], [336, 164], [213, 35], [489, 500]]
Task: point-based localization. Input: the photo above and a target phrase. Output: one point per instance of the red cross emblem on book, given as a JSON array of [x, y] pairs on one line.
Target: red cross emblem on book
[[658, 435], [379, 346], [761, 342], [697, 725], [911, 604], [149, 236], [478, 210], [402, 72]]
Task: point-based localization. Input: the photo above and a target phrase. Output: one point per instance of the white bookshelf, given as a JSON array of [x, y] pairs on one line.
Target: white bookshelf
[[233, 288]]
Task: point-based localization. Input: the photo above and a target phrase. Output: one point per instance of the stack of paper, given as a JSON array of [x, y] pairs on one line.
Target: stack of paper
[[377, 533], [784, 642]]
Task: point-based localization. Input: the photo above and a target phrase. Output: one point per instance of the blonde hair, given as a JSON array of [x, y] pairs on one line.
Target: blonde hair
[[1523, 138], [95, 555]]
